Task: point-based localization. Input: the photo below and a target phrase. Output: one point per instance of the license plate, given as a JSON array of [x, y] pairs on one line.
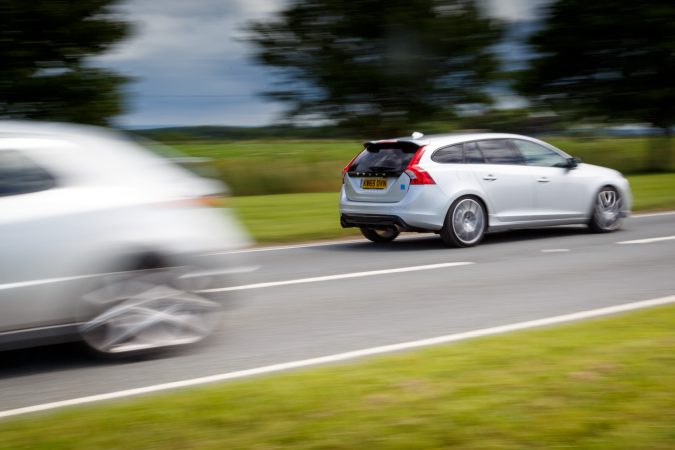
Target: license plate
[[373, 183]]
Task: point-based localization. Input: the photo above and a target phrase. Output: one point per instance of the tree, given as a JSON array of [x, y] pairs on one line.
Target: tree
[[44, 71], [379, 65], [612, 60]]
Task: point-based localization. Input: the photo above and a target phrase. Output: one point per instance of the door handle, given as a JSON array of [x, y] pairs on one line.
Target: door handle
[[489, 177], [543, 180]]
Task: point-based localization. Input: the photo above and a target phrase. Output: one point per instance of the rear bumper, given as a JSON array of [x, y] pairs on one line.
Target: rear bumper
[[423, 209], [375, 220]]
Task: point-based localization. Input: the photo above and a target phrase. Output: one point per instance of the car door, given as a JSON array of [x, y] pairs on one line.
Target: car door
[[29, 256], [504, 179], [559, 191]]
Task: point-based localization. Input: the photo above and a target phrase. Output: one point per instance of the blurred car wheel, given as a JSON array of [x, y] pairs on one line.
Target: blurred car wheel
[[144, 311], [607, 215]]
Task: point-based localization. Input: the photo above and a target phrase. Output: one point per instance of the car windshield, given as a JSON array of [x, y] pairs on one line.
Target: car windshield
[[384, 158], [202, 167]]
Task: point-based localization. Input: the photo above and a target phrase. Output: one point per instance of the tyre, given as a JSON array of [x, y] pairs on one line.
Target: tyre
[[380, 235], [144, 311], [607, 215], [465, 223]]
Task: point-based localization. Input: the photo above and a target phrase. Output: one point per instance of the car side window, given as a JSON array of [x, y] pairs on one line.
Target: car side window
[[500, 151], [538, 155], [472, 154], [448, 155], [20, 175]]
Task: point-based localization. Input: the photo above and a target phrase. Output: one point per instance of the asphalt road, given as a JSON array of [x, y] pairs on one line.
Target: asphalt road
[[514, 276]]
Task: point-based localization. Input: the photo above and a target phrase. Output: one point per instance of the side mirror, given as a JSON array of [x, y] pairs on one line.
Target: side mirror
[[572, 163]]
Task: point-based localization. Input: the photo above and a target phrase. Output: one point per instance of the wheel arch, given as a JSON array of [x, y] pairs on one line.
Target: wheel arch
[[469, 194]]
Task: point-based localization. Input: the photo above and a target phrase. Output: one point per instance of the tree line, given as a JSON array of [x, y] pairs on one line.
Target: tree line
[[371, 65]]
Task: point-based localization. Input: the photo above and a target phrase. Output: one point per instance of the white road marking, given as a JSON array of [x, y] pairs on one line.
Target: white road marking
[[336, 277], [355, 240], [346, 356], [648, 240], [555, 250], [665, 213], [20, 284]]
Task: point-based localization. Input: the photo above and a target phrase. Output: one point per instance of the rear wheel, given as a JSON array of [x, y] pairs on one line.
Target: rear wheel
[[465, 223], [606, 215], [143, 311], [380, 235]]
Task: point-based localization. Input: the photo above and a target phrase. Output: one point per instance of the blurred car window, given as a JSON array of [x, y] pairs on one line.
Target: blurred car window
[[20, 175], [538, 155], [499, 151], [449, 155], [472, 154], [390, 157]]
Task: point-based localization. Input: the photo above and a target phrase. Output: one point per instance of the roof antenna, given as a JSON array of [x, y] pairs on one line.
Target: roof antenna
[[417, 135]]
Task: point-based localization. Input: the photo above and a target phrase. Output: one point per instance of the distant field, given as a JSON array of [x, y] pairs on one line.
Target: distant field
[[601, 384], [298, 217], [294, 166]]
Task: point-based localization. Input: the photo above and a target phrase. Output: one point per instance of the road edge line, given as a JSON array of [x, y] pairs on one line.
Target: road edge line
[[571, 317]]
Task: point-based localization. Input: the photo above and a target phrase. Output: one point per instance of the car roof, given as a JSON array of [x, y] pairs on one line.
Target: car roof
[[51, 129], [450, 138]]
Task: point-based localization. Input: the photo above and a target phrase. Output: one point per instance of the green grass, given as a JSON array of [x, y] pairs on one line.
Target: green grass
[[291, 217], [653, 192], [296, 166], [602, 384], [277, 167], [301, 217]]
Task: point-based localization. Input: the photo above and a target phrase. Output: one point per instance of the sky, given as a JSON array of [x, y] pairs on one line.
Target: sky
[[189, 65]]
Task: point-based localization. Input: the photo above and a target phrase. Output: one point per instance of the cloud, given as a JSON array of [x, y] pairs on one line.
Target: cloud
[[190, 65]]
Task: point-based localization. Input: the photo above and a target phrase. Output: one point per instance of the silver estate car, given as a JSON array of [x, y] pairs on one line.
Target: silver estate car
[[464, 185], [102, 240]]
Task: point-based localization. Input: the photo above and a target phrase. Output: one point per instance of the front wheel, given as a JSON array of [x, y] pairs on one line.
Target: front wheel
[[465, 223], [380, 235], [607, 215], [144, 311]]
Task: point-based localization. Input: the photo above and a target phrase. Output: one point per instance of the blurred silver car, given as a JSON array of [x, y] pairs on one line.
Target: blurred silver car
[[464, 185], [104, 241]]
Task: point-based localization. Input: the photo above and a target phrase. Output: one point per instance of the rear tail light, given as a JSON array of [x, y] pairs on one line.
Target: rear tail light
[[416, 173], [346, 169], [213, 201], [216, 201]]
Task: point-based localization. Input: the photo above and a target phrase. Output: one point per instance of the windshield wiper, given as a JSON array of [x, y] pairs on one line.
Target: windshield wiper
[[383, 169]]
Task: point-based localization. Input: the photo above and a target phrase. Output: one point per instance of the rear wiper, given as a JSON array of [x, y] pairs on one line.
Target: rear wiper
[[383, 169]]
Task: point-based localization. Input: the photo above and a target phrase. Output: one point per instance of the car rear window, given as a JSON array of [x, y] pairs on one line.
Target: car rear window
[[384, 158]]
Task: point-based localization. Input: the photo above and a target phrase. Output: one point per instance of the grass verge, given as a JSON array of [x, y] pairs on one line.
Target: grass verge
[[653, 192], [302, 217], [296, 166], [602, 384], [292, 217]]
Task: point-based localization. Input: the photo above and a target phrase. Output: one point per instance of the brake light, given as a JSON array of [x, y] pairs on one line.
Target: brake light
[[416, 173], [346, 169], [212, 200]]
